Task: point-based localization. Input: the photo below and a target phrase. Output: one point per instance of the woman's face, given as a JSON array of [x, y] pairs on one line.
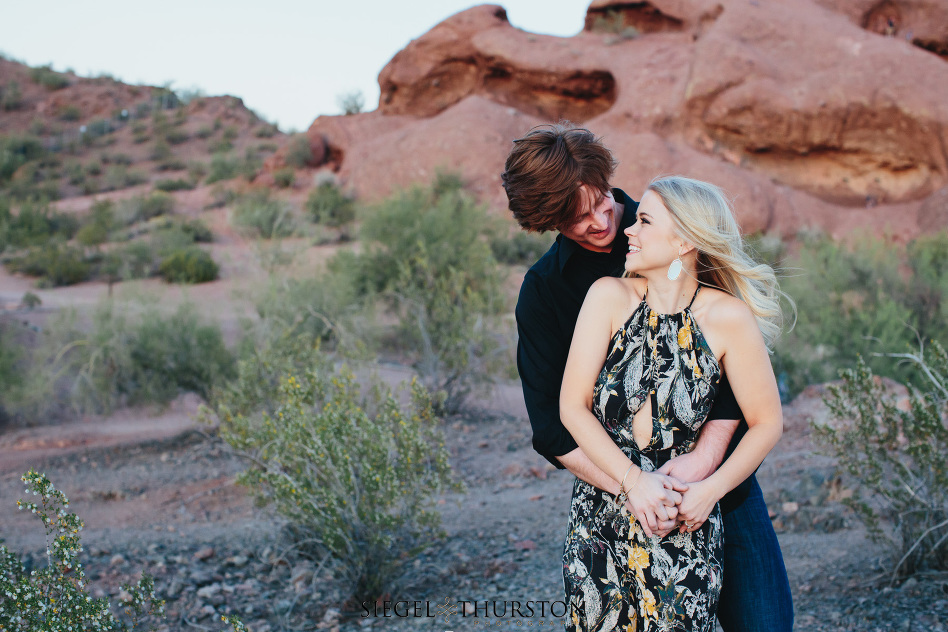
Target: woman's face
[[653, 244]]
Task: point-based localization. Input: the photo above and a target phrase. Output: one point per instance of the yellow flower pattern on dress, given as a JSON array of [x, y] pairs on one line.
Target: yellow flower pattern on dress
[[684, 335]]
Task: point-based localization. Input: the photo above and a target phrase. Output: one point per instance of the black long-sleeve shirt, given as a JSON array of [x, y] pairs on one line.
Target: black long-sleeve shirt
[[551, 296]]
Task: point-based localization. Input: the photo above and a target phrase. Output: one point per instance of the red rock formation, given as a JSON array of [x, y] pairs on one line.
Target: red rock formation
[[924, 23], [459, 58], [808, 117]]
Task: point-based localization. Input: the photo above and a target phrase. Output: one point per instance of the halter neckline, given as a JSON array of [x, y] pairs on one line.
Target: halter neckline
[[681, 311]]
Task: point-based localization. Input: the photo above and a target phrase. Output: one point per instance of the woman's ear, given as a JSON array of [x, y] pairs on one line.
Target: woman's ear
[[684, 248]]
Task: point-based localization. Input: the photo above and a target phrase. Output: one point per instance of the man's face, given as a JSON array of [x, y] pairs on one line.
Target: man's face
[[596, 225]]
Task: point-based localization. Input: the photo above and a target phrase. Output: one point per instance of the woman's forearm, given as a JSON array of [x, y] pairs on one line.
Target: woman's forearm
[[596, 443], [754, 446]]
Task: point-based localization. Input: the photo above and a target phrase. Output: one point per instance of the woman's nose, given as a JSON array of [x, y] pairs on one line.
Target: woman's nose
[[630, 231]]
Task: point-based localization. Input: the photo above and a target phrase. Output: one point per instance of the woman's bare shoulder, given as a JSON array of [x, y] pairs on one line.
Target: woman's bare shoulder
[[615, 296], [722, 310], [616, 288]]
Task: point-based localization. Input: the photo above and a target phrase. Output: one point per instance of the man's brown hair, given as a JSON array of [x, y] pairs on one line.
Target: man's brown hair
[[545, 169]]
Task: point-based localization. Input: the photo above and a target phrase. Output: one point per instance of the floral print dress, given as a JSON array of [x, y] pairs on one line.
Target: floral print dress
[[616, 578]]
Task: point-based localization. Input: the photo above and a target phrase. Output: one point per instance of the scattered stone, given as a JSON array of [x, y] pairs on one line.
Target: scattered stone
[[209, 591], [204, 554], [117, 559], [124, 596], [237, 561], [201, 577], [174, 589], [512, 470], [301, 576], [790, 507]]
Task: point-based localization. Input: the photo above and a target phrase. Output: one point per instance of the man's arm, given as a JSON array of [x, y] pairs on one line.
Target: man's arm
[[708, 454]]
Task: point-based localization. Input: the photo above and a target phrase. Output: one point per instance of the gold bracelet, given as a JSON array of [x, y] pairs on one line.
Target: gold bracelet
[[622, 484], [635, 482]]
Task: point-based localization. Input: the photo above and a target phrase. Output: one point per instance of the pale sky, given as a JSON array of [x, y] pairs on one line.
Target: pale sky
[[289, 60]]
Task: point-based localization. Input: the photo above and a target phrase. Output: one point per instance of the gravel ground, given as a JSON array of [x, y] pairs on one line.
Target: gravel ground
[[170, 507]]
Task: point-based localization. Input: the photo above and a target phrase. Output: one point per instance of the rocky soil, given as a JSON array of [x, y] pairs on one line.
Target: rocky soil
[[167, 504]]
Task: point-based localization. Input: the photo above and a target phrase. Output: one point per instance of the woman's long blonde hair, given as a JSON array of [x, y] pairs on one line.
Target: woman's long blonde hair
[[703, 217]]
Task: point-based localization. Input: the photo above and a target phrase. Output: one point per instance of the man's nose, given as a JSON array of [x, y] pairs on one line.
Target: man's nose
[[601, 219]]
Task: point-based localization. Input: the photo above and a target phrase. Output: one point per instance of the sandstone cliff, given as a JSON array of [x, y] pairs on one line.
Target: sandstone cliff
[[829, 114]]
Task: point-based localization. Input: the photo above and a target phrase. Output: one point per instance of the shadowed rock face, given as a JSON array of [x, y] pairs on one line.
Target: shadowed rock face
[[803, 110], [644, 17], [446, 65], [923, 23]]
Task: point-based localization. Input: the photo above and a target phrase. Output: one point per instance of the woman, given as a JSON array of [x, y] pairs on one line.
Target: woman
[[647, 354]]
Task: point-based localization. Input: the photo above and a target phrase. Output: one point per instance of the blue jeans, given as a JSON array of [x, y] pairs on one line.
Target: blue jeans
[[756, 593]]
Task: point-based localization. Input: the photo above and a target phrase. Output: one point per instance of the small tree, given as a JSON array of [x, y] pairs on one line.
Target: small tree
[[426, 253], [898, 455], [328, 205], [353, 471], [351, 102]]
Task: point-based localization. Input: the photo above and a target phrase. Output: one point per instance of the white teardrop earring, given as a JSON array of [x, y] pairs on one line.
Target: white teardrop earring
[[674, 270]]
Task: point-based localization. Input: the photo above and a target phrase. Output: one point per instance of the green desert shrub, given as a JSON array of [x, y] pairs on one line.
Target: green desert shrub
[[121, 177], [11, 97], [196, 170], [521, 248], [299, 152], [161, 150], [223, 167], [49, 78], [284, 178], [266, 131], [324, 307], [136, 260], [144, 207], [34, 224], [351, 102], [96, 228], [54, 598], [70, 113], [11, 374], [173, 164], [17, 150], [55, 264], [188, 265], [262, 215], [174, 184], [353, 471], [131, 354], [198, 230], [425, 253], [98, 128], [896, 455], [329, 206], [859, 301], [177, 136]]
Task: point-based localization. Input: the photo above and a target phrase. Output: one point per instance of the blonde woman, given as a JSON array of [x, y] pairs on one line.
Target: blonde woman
[[647, 355]]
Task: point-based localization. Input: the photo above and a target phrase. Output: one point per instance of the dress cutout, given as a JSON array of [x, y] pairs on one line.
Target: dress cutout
[[615, 577]]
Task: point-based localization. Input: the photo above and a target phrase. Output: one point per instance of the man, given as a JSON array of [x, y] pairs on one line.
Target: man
[[557, 178]]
